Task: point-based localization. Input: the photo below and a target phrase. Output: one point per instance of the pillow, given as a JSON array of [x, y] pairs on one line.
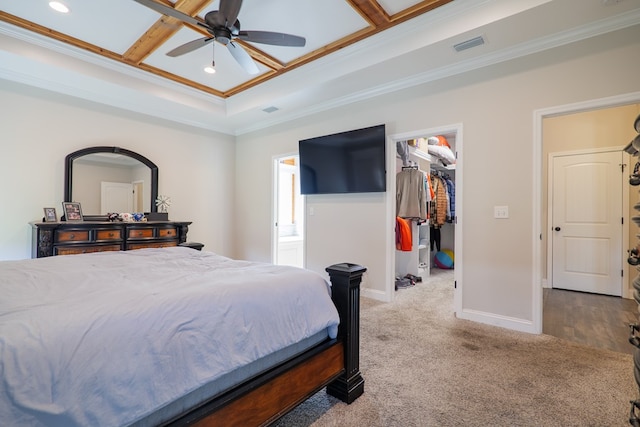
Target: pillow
[[438, 140], [443, 153]]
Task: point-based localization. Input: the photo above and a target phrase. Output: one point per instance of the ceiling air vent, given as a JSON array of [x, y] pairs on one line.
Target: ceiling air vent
[[468, 44]]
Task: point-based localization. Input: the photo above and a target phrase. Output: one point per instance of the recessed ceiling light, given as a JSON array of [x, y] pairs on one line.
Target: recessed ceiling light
[[59, 6], [209, 69]]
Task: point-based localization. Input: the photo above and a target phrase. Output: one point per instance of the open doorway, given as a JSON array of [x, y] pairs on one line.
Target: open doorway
[[288, 208], [576, 138], [420, 260]]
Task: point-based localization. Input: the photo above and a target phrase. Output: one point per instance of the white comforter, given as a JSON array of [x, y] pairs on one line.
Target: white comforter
[[104, 338]]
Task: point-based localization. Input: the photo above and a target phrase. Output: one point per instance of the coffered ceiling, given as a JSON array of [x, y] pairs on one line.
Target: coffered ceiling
[[130, 33], [115, 51]]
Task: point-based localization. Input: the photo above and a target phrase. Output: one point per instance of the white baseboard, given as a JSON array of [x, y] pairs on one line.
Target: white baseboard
[[507, 322], [375, 294], [545, 283]]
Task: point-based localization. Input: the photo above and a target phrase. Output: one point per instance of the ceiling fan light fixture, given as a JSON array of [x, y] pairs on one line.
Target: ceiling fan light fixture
[[58, 6]]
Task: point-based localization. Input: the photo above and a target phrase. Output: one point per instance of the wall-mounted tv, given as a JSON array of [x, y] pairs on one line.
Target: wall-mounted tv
[[346, 162]]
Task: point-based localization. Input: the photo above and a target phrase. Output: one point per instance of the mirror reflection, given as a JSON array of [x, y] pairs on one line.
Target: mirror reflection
[[110, 179], [108, 182]]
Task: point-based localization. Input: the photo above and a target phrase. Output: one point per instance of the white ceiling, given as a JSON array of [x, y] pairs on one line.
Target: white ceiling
[[231, 101]]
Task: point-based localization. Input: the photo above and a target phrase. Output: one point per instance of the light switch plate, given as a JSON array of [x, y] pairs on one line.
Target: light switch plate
[[501, 212]]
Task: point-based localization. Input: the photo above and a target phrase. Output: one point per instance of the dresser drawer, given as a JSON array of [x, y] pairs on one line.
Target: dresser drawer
[[72, 236], [140, 233], [108, 234], [67, 238], [132, 246], [75, 250], [167, 232]]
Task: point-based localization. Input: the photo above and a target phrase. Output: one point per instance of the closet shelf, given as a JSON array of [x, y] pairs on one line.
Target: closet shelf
[[443, 167], [420, 154]]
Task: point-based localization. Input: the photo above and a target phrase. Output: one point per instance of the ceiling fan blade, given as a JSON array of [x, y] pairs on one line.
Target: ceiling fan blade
[[243, 58], [230, 9], [190, 46], [268, 37], [169, 11]]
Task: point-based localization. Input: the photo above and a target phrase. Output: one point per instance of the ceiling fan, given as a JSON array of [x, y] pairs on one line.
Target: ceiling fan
[[224, 27]]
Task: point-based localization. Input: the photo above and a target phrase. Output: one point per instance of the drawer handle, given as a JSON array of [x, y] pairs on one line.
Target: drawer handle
[[111, 234], [140, 233], [72, 236]]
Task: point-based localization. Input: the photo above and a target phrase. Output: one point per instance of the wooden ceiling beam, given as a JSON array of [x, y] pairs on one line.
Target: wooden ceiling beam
[[417, 9], [371, 11], [162, 30]]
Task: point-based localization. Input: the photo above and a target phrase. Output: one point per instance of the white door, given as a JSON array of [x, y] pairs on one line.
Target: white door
[[116, 197], [138, 193], [288, 232], [587, 222]]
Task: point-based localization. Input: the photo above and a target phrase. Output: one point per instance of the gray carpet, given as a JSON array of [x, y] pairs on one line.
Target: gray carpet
[[424, 367]]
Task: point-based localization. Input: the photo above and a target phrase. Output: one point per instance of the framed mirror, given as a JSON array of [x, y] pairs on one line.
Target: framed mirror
[[110, 179]]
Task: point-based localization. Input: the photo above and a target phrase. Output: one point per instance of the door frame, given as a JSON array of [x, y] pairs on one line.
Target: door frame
[[536, 230], [274, 208], [550, 184], [456, 128]]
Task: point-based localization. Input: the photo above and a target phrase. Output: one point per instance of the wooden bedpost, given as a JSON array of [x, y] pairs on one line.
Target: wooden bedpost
[[345, 280]]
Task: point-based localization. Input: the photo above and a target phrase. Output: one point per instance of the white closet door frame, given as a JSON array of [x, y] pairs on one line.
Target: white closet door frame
[[391, 205]]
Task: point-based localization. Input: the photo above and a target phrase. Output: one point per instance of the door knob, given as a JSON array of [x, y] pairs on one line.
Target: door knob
[[557, 228]]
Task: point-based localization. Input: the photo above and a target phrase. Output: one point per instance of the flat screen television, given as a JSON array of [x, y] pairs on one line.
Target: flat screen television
[[346, 162]]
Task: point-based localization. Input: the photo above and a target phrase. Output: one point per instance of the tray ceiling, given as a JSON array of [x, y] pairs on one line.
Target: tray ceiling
[[128, 32], [113, 52]]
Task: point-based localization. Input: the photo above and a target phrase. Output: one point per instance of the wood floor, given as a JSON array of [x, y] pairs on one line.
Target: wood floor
[[595, 320]]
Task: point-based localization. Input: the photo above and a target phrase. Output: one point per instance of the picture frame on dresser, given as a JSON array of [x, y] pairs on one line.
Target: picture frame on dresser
[[72, 211], [50, 215]]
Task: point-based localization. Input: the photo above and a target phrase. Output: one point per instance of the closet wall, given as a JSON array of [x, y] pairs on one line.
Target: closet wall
[[426, 235]]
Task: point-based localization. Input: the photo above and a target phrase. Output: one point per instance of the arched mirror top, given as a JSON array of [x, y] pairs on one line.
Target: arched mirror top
[[88, 170]]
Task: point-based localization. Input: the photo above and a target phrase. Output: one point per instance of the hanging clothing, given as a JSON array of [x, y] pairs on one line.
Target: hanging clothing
[[451, 191], [403, 151], [411, 194], [440, 204], [404, 240], [434, 238]]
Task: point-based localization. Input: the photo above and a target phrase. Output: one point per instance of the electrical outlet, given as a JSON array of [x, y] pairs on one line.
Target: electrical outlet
[[501, 212]]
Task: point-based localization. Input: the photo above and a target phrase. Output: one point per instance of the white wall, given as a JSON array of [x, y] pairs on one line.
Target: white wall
[[496, 107], [39, 129]]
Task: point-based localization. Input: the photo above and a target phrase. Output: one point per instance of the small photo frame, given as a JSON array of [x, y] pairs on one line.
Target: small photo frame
[[72, 211], [50, 215]]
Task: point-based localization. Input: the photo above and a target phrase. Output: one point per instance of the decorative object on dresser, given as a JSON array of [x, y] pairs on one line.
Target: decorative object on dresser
[[60, 238], [72, 211], [50, 215]]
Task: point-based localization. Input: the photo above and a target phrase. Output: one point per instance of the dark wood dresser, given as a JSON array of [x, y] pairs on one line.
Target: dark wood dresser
[[68, 238]]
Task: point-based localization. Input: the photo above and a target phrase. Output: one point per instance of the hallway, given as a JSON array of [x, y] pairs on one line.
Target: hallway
[[596, 320]]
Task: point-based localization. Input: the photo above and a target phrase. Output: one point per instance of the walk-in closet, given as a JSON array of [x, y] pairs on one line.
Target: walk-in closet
[[425, 207]]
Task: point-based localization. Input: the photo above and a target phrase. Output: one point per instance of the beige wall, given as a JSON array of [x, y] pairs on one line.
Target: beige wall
[[496, 107], [602, 128], [225, 188], [39, 129]]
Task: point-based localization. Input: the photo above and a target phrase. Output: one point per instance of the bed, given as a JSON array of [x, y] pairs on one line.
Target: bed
[[172, 336]]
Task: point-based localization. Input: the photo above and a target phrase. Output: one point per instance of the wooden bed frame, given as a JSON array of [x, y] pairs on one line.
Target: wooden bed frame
[[334, 364]]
